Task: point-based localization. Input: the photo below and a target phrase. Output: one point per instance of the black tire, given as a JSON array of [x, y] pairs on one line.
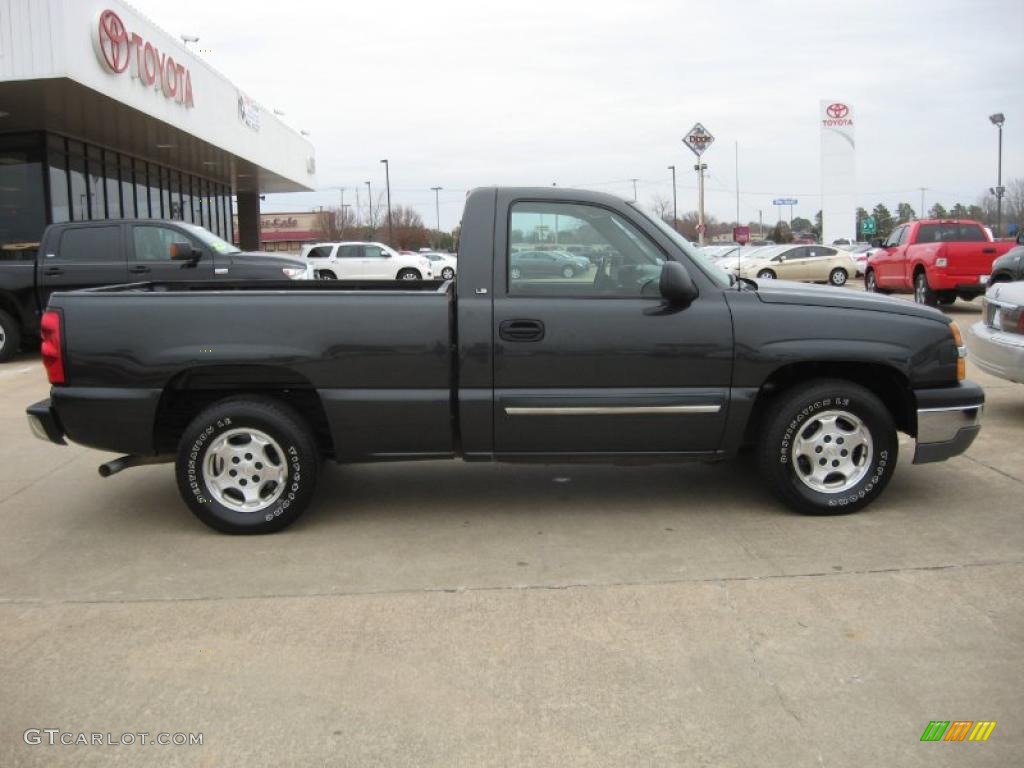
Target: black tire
[[10, 337], [326, 275], [923, 294], [838, 277], [947, 298], [409, 274], [447, 273], [793, 416], [766, 274], [568, 272], [295, 448]]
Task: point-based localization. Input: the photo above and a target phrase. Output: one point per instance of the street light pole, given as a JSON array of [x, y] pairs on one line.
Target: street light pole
[[344, 217], [387, 182], [437, 210], [634, 188], [369, 205], [922, 214], [675, 214], [998, 120]]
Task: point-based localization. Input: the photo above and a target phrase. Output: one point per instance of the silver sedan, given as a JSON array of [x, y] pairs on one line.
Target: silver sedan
[[997, 340]]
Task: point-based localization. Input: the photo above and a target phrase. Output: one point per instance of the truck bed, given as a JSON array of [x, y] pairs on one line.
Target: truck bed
[[383, 376]]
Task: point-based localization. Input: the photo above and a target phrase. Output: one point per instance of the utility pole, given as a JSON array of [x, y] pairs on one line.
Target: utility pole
[[998, 120], [922, 214], [675, 213], [700, 168], [760, 223], [344, 218], [737, 183], [369, 205], [634, 188], [437, 209], [387, 182]]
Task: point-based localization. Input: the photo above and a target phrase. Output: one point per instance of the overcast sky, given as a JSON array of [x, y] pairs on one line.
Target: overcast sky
[[593, 94]]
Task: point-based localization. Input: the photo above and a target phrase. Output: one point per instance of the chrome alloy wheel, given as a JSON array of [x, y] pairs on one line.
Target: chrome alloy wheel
[[447, 273], [245, 470], [3, 338], [832, 452]]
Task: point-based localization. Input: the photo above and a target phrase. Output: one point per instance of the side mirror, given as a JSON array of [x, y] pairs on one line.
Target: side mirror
[[676, 285], [878, 243], [182, 251]]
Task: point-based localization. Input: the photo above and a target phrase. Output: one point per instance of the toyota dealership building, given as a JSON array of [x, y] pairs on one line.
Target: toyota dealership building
[[105, 115]]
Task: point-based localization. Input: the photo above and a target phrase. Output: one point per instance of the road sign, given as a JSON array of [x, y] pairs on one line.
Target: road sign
[[868, 226], [741, 235], [784, 201], [698, 139]]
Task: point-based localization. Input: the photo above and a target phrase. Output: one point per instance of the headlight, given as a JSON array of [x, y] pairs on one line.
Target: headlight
[[294, 273]]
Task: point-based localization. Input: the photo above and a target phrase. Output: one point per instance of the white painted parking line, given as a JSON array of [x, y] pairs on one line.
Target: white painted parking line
[[26, 369]]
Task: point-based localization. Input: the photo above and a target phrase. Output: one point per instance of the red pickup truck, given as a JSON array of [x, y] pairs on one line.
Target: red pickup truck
[[937, 260]]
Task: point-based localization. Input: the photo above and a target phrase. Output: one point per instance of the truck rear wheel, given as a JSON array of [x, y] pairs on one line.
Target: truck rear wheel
[[828, 447], [10, 337], [247, 465], [923, 294]]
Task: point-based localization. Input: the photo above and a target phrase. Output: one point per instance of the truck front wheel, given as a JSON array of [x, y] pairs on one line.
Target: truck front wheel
[[10, 337], [247, 465], [828, 447]]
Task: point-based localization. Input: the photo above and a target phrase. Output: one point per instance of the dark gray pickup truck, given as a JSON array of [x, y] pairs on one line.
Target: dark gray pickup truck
[[650, 353], [86, 254]]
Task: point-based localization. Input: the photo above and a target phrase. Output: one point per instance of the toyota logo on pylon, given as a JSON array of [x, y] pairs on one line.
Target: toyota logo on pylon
[[113, 40], [837, 110]]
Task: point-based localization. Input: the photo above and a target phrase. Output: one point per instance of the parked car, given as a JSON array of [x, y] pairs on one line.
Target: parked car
[[85, 254], [806, 263], [860, 253], [937, 260], [547, 264], [1009, 266], [364, 261], [443, 265], [997, 340], [661, 357]]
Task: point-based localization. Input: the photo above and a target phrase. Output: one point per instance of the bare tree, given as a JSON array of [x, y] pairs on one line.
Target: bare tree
[[662, 207]]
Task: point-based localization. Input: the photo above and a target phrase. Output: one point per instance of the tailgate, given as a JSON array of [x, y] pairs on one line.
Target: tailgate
[[970, 260]]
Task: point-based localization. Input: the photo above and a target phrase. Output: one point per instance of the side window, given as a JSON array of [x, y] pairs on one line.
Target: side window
[[623, 261], [373, 252], [970, 233], [153, 243], [320, 252], [89, 244], [895, 237], [792, 254], [823, 252], [927, 233], [350, 251]]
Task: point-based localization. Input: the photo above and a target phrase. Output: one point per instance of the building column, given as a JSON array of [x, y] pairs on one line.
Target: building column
[[248, 220]]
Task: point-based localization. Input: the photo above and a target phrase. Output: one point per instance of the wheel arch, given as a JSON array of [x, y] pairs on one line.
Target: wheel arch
[[191, 391], [887, 382]]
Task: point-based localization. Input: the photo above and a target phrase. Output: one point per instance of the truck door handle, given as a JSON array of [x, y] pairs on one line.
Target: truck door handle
[[988, 250], [521, 330], [51, 271], [138, 269]]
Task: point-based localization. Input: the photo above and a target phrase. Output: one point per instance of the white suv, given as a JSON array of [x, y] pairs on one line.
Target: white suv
[[364, 261]]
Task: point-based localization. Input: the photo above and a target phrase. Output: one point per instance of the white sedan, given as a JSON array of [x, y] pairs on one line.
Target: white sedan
[[444, 265]]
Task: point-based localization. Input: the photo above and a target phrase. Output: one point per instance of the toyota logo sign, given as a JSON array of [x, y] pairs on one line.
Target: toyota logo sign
[[837, 110], [120, 51], [113, 39]]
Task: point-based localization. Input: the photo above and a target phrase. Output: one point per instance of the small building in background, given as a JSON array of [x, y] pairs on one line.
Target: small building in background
[[288, 232]]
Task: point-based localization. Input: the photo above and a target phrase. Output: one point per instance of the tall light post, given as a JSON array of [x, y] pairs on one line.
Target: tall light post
[[344, 218], [437, 210], [700, 168], [369, 205], [387, 182], [998, 120], [634, 188], [675, 213], [922, 214]]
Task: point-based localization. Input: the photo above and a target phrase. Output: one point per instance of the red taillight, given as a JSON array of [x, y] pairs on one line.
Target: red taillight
[[52, 349]]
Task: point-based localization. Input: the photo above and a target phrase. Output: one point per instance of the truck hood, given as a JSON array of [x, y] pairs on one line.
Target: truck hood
[[257, 258], [806, 294]]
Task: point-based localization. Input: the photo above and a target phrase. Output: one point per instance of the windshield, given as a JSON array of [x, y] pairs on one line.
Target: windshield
[[209, 239], [707, 266]]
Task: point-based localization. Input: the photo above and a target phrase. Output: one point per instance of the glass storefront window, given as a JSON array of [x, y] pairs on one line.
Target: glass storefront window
[[174, 185], [60, 205], [113, 185], [153, 172], [22, 196], [127, 187], [94, 179], [208, 221], [141, 190], [76, 172]]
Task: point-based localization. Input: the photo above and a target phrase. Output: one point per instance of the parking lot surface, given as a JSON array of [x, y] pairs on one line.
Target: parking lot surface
[[444, 614]]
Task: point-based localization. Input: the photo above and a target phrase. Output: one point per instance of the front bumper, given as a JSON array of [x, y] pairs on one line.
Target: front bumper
[[997, 352], [948, 420], [43, 422]]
